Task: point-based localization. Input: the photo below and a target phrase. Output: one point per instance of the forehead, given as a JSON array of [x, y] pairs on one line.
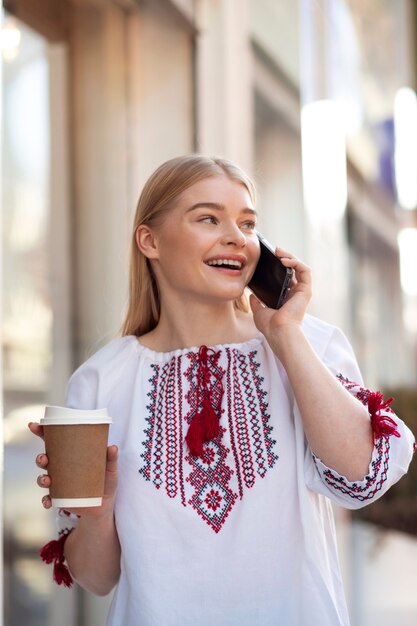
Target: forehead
[[217, 189]]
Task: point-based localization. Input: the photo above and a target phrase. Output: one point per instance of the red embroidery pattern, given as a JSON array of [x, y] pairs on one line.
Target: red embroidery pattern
[[147, 454], [160, 413], [375, 479], [171, 434], [261, 393], [178, 377], [230, 419], [256, 427], [211, 484], [242, 429], [213, 498], [210, 473]]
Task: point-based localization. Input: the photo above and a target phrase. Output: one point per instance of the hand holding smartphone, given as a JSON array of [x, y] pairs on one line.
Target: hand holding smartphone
[[271, 280]]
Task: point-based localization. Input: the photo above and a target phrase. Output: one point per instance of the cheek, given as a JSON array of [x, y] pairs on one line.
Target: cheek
[[255, 251]]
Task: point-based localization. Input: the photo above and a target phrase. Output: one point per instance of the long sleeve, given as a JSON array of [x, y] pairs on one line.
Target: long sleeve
[[393, 441], [83, 392]]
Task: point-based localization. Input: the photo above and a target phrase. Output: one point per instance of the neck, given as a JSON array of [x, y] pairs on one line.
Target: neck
[[186, 325]]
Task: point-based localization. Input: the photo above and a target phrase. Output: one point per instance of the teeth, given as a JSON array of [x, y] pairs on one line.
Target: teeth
[[230, 262]]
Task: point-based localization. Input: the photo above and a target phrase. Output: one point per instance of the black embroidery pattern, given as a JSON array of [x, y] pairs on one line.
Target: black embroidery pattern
[[243, 451]]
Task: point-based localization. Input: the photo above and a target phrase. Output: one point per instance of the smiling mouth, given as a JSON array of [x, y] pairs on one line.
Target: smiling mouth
[[226, 263]]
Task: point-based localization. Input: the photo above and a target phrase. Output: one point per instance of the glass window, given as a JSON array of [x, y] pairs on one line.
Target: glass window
[[27, 318]]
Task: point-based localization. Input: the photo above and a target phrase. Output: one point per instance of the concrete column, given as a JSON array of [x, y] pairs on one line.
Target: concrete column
[[224, 80], [160, 91], [101, 214], [60, 222]]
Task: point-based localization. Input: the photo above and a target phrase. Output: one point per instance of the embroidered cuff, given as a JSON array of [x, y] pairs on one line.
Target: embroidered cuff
[[372, 483], [380, 412], [53, 552], [383, 426]]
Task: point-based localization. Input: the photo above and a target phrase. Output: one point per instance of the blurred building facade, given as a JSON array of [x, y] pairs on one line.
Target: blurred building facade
[[96, 94]]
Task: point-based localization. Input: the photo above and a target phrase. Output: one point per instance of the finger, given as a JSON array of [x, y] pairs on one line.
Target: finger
[[46, 502], [302, 272], [44, 481], [42, 460], [302, 281], [298, 266], [112, 458], [36, 429], [281, 253]]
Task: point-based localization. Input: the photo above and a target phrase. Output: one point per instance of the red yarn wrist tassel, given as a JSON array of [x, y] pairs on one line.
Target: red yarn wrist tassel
[[382, 425], [53, 552], [205, 425]]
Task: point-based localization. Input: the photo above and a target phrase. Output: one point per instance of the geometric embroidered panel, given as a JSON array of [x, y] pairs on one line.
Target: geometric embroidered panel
[[243, 451], [378, 471]]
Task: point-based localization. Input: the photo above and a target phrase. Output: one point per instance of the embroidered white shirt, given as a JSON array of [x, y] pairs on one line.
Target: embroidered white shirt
[[243, 536]]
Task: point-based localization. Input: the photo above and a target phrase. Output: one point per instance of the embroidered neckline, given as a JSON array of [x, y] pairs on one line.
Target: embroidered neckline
[[242, 453], [154, 355]]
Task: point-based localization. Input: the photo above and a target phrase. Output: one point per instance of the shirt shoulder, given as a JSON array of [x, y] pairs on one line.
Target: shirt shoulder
[[332, 347], [101, 372], [111, 351], [319, 333]]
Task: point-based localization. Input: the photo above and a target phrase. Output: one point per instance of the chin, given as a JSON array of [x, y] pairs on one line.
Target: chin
[[233, 294], [225, 293]]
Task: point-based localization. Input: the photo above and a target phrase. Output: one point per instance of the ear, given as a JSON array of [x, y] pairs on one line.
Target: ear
[[146, 241]]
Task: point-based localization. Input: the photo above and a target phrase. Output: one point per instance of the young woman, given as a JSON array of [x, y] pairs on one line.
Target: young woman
[[233, 428]]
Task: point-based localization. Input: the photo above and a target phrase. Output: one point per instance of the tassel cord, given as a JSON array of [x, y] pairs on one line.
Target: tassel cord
[[53, 553], [205, 423], [382, 425]]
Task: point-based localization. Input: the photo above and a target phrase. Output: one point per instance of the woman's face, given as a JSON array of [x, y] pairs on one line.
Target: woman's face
[[206, 246]]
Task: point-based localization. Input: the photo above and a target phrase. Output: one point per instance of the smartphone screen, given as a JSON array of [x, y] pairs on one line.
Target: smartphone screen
[[271, 280]]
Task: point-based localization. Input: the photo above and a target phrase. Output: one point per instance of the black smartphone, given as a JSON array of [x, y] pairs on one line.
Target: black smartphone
[[271, 280]]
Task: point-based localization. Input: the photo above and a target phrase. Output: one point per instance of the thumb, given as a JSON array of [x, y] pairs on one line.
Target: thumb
[[111, 471], [112, 457]]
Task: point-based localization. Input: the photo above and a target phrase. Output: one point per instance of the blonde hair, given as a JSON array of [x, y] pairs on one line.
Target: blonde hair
[[160, 191]]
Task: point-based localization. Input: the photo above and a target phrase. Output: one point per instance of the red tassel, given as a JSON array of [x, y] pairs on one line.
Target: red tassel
[[194, 436], [205, 424], [53, 552], [382, 425], [210, 425]]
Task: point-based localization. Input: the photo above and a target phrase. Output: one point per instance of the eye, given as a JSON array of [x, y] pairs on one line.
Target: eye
[[250, 225], [208, 219]]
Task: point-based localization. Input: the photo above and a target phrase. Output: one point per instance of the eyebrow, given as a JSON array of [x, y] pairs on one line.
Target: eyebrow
[[218, 207]]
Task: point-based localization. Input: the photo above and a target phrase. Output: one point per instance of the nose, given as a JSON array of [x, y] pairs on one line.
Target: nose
[[233, 236]]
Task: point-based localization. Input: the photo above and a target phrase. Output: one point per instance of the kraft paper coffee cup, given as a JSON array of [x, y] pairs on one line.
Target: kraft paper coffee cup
[[76, 446]]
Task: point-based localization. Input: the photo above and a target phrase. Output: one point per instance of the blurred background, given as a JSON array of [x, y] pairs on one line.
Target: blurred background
[[316, 100]]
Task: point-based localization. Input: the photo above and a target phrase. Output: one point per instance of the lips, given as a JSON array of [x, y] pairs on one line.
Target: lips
[[226, 263], [231, 262]]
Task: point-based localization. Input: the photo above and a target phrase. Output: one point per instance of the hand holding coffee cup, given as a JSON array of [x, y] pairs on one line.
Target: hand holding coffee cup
[[82, 471]]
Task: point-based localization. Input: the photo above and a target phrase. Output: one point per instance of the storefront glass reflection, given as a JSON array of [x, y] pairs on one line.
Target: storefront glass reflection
[[26, 320]]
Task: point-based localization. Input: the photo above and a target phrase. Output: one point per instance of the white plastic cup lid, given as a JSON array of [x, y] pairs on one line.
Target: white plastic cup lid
[[60, 415]]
